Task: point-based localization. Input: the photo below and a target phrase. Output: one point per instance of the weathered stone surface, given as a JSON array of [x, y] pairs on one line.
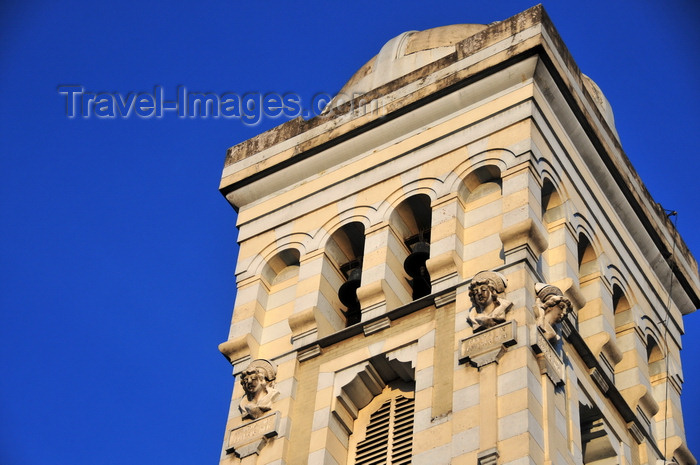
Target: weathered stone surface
[[250, 438], [549, 361], [489, 307], [489, 345], [488, 145]]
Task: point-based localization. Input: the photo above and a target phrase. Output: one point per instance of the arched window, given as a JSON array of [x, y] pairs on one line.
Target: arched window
[[384, 428]]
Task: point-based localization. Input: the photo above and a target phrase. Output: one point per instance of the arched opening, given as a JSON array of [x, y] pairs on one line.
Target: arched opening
[[412, 218], [346, 249], [281, 274], [483, 182], [483, 221], [655, 357], [281, 266], [621, 309], [362, 390], [552, 206], [587, 258]]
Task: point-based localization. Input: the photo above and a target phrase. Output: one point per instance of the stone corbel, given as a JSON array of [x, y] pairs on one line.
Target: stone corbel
[[376, 326], [309, 352], [603, 346], [572, 292], [675, 376], [445, 298], [636, 432], [640, 397], [599, 379], [372, 298], [238, 350], [648, 403], [443, 269], [612, 355], [678, 450], [304, 327], [524, 236]]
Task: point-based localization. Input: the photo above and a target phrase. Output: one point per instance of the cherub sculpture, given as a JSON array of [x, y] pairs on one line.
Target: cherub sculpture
[[488, 307], [258, 382]]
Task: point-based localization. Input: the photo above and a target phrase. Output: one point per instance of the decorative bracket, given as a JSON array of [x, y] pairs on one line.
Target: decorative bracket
[[547, 358], [488, 346], [250, 438]]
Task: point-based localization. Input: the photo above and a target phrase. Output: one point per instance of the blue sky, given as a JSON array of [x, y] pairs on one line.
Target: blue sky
[[118, 252]]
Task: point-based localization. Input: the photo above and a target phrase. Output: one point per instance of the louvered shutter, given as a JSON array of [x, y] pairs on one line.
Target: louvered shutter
[[389, 435]]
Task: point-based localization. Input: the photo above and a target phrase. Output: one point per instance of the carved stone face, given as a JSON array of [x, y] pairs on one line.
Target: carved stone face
[[482, 294], [555, 308], [253, 381]]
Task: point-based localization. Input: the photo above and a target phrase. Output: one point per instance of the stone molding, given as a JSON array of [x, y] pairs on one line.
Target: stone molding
[[487, 457], [308, 353], [525, 235], [303, 325], [251, 437], [488, 346], [237, 351], [355, 386], [548, 359], [376, 326]]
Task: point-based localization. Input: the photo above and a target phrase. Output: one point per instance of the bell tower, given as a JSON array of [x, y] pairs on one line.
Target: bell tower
[[455, 264]]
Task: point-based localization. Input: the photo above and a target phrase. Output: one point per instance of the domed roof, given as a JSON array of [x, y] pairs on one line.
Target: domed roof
[[601, 101], [403, 54], [414, 49]]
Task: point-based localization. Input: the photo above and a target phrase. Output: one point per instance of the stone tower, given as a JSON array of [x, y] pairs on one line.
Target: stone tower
[[455, 263]]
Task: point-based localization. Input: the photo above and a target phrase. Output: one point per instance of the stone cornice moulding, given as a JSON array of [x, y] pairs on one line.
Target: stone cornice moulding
[[477, 58]]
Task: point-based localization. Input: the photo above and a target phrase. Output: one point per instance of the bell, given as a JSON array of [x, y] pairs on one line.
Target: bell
[[348, 290], [416, 269], [420, 252]]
